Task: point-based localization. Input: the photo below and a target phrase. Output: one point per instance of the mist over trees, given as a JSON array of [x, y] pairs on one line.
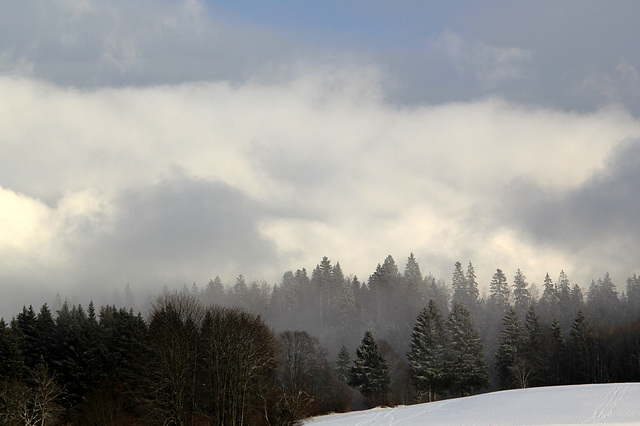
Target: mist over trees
[[318, 342]]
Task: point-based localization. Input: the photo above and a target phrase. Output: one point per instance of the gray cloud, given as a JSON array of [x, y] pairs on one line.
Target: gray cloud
[[598, 219], [384, 131], [181, 229]]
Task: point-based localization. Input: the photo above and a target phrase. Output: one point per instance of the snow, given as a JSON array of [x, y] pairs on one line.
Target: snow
[[617, 403]]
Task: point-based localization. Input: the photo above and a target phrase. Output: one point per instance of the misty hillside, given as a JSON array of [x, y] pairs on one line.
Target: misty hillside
[[579, 404]]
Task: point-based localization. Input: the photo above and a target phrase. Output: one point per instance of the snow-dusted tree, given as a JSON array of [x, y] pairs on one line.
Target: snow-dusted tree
[[370, 372], [467, 369], [429, 341]]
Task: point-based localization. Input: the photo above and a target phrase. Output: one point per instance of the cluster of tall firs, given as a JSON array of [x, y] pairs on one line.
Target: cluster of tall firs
[[230, 355]]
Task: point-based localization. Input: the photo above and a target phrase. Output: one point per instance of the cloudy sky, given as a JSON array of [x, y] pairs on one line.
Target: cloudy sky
[[164, 142]]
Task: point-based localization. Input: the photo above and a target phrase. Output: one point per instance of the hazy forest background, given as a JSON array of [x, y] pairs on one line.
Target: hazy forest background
[[261, 353]]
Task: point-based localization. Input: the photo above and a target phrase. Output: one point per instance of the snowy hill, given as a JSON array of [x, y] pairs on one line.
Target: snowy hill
[[578, 404]]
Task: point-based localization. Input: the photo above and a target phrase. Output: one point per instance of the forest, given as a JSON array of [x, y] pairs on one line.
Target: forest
[[273, 354]]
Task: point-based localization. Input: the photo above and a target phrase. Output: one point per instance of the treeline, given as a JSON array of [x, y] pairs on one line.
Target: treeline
[[273, 354], [187, 364]]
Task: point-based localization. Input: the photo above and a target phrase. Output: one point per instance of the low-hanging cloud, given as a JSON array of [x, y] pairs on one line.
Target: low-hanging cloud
[[162, 185]]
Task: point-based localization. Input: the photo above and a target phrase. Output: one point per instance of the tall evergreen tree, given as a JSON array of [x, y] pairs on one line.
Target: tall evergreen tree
[[472, 289], [467, 369], [343, 362], [556, 355], [521, 294], [459, 285], [370, 372], [412, 273], [499, 291], [581, 350], [11, 360], [513, 368], [429, 341]]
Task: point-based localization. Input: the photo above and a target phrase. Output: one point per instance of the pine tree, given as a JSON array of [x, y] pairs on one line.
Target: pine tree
[[535, 347], [499, 291], [556, 356], [429, 341], [412, 273], [581, 350], [370, 372], [472, 289], [521, 294], [459, 285], [214, 292], [343, 362], [11, 360], [513, 368], [467, 369]]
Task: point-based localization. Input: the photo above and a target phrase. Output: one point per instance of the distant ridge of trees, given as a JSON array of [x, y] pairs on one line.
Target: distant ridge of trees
[[256, 353]]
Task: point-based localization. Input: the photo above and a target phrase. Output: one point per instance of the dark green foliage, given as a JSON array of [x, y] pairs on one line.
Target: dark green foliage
[[370, 372], [427, 357], [11, 359], [343, 363], [582, 350], [521, 294], [467, 369], [514, 369], [499, 291]]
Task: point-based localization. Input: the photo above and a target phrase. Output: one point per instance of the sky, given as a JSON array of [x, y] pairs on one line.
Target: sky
[[161, 143]]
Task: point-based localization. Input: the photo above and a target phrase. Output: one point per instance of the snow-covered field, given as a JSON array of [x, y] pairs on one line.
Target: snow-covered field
[[617, 403]]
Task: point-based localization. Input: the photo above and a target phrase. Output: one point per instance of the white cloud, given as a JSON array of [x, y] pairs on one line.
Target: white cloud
[[329, 168]]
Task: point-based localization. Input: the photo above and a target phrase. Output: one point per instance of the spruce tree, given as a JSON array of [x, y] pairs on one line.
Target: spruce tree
[[556, 355], [370, 372], [581, 351], [512, 366], [342, 364], [521, 294], [429, 341], [472, 289], [499, 291], [459, 285], [467, 369], [11, 360]]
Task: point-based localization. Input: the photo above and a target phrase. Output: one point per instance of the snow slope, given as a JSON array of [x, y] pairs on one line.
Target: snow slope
[[617, 403]]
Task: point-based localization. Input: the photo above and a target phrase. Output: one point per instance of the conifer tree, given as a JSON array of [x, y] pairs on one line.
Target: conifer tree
[[535, 347], [556, 356], [467, 369], [459, 285], [499, 291], [521, 294], [370, 372], [472, 289], [581, 350], [511, 363], [11, 361], [412, 273], [429, 341], [343, 362]]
